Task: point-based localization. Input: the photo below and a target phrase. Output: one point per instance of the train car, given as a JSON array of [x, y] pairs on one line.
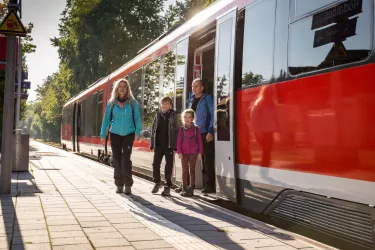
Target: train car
[[294, 80]]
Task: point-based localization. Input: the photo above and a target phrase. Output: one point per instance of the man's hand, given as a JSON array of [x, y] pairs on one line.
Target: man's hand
[[180, 156], [209, 137], [102, 140], [136, 138]]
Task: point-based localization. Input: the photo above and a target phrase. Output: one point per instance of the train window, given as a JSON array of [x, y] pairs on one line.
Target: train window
[[90, 115], [339, 35], [99, 113], [303, 7], [180, 73], [223, 81], [258, 43], [168, 74], [151, 92]]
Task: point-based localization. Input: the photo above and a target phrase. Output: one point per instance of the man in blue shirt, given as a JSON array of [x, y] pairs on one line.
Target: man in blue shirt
[[202, 104]]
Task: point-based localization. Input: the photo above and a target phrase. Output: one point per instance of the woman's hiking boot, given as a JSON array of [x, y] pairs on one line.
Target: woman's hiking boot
[[156, 188], [166, 191]]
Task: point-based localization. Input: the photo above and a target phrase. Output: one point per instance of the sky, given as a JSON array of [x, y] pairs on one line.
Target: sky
[[45, 15]]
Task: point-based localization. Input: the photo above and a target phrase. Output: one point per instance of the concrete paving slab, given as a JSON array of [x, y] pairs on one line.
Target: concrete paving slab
[[82, 211]]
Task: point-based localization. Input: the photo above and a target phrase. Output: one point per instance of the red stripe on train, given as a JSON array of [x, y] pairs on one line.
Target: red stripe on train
[[326, 125], [143, 145]]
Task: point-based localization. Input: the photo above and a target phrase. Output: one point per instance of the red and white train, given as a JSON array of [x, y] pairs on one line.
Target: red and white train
[[294, 78]]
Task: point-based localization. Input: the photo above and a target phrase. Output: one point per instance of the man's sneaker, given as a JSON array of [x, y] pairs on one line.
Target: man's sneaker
[[179, 189], [208, 190], [166, 191], [156, 188], [128, 190], [119, 190]]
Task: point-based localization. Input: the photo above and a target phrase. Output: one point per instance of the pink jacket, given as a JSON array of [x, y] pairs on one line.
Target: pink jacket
[[190, 141]]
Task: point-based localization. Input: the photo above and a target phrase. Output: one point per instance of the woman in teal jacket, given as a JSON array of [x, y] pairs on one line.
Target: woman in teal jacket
[[123, 118]]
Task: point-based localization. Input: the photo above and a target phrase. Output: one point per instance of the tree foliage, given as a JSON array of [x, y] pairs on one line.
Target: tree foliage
[[97, 37], [183, 10], [43, 117]]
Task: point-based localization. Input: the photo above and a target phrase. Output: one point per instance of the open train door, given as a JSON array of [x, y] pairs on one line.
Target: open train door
[[223, 105], [74, 127], [78, 126]]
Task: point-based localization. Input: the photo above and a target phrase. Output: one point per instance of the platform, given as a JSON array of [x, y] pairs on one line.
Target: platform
[[69, 202]]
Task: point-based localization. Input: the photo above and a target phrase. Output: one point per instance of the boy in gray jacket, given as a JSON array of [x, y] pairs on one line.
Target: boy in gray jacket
[[164, 132]]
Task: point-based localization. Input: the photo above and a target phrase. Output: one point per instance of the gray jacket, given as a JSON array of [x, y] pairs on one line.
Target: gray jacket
[[174, 126]]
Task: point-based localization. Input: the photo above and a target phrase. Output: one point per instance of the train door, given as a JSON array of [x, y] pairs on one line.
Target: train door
[[223, 105], [74, 128], [78, 125], [181, 64]]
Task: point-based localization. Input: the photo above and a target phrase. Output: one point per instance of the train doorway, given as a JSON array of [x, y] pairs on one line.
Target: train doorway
[[202, 66]]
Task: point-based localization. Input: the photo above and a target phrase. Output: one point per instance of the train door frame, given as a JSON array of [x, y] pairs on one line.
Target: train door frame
[[74, 127], [225, 167], [77, 126]]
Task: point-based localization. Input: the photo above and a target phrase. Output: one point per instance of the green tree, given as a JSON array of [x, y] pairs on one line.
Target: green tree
[[97, 37], [183, 10], [43, 117], [249, 79]]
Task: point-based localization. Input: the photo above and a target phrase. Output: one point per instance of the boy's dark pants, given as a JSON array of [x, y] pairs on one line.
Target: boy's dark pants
[[122, 150], [158, 157]]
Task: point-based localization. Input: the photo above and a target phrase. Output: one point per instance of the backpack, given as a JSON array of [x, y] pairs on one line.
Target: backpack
[[110, 123], [195, 133]]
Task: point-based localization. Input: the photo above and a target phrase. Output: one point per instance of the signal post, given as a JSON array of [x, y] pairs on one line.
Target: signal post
[[11, 26]]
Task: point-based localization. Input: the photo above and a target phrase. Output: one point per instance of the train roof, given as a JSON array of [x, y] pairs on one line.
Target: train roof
[[165, 42]]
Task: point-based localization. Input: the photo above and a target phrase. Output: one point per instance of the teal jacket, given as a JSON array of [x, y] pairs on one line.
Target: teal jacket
[[122, 119]]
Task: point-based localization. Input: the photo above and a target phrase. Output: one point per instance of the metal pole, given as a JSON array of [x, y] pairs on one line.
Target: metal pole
[[18, 109], [8, 116], [8, 112]]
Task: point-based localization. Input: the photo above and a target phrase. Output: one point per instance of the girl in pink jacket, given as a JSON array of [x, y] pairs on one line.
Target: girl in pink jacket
[[189, 149]]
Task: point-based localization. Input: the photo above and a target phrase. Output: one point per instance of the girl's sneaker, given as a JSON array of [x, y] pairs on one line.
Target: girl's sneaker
[[179, 189], [184, 191], [190, 192]]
